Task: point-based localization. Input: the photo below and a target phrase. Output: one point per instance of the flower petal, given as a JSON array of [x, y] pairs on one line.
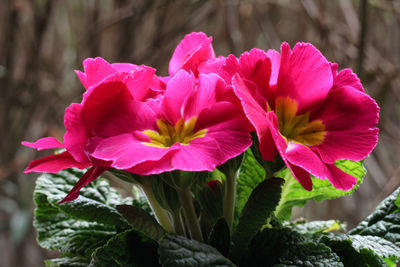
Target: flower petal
[[304, 76], [87, 178], [75, 137], [179, 87], [306, 159], [194, 49], [203, 96], [126, 150], [96, 69], [347, 77], [339, 179], [257, 116], [302, 176], [44, 143], [349, 117], [55, 163], [275, 59]]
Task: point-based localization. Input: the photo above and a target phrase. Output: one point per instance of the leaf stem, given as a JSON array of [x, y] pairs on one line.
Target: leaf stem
[[161, 214], [185, 197], [229, 198], [178, 224]]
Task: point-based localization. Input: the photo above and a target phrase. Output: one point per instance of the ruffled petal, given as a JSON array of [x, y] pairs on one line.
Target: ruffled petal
[[339, 179], [349, 117], [203, 96], [347, 77], [257, 116], [75, 137], [306, 159], [202, 154], [87, 178], [275, 59], [304, 76], [194, 49], [126, 150], [302, 176], [212, 65], [178, 89], [96, 69], [55, 163], [44, 143]]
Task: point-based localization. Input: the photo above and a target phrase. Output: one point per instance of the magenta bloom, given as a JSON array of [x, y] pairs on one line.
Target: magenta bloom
[[195, 54], [193, 127], [99, 75], [305, 110]]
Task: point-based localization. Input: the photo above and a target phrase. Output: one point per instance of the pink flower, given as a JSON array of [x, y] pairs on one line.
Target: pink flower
[[120, 78], [195, 54], [193, 127], [305, 110]]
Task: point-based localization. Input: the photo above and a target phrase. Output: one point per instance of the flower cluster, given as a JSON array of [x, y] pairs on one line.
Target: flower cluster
[[201, 115]]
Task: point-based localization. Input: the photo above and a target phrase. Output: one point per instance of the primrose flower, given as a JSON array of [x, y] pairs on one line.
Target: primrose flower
[[79, 120], [195, 54], [192, 128], [305, 110]]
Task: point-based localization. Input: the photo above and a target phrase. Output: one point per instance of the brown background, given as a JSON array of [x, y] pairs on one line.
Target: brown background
[[43, 41]]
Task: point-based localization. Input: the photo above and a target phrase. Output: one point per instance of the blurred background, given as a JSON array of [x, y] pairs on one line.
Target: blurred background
[[43, 41]]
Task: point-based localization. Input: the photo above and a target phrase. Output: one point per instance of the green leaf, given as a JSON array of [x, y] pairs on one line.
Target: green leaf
[[69, 228], [142, 221], [285, 247], [220, 237], [356, 250], [262, 202], [250, 175], [126, 249], [315, 227], [293, 194], [176, 251], [68, 262], [383, 222]]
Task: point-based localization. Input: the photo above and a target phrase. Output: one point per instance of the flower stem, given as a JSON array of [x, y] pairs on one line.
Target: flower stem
[[161, 214], [178, 224], [229, 198], [185, 197]]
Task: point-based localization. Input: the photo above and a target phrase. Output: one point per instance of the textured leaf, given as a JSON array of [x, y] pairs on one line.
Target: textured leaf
[[220, 237], [285, 247], [69, 227], [68, 262], [126, 249], [293, 194], [356, 250], [142, 221], [315, 227], [250, 175], [260, 205], [383, 222], [176, 251]]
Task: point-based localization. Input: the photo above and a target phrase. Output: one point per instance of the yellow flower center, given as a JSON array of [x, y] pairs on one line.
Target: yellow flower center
[[167, 135], [298, 128]]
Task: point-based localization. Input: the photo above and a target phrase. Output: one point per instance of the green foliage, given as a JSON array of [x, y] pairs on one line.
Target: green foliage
[[361, 250], [250, 175], [293, 194], [220, 237], [317, 227], [126, 249], [259, 207], [383, 222], [80, 227], [177, 251], [68, 262], [142, 221], [285, 247]]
